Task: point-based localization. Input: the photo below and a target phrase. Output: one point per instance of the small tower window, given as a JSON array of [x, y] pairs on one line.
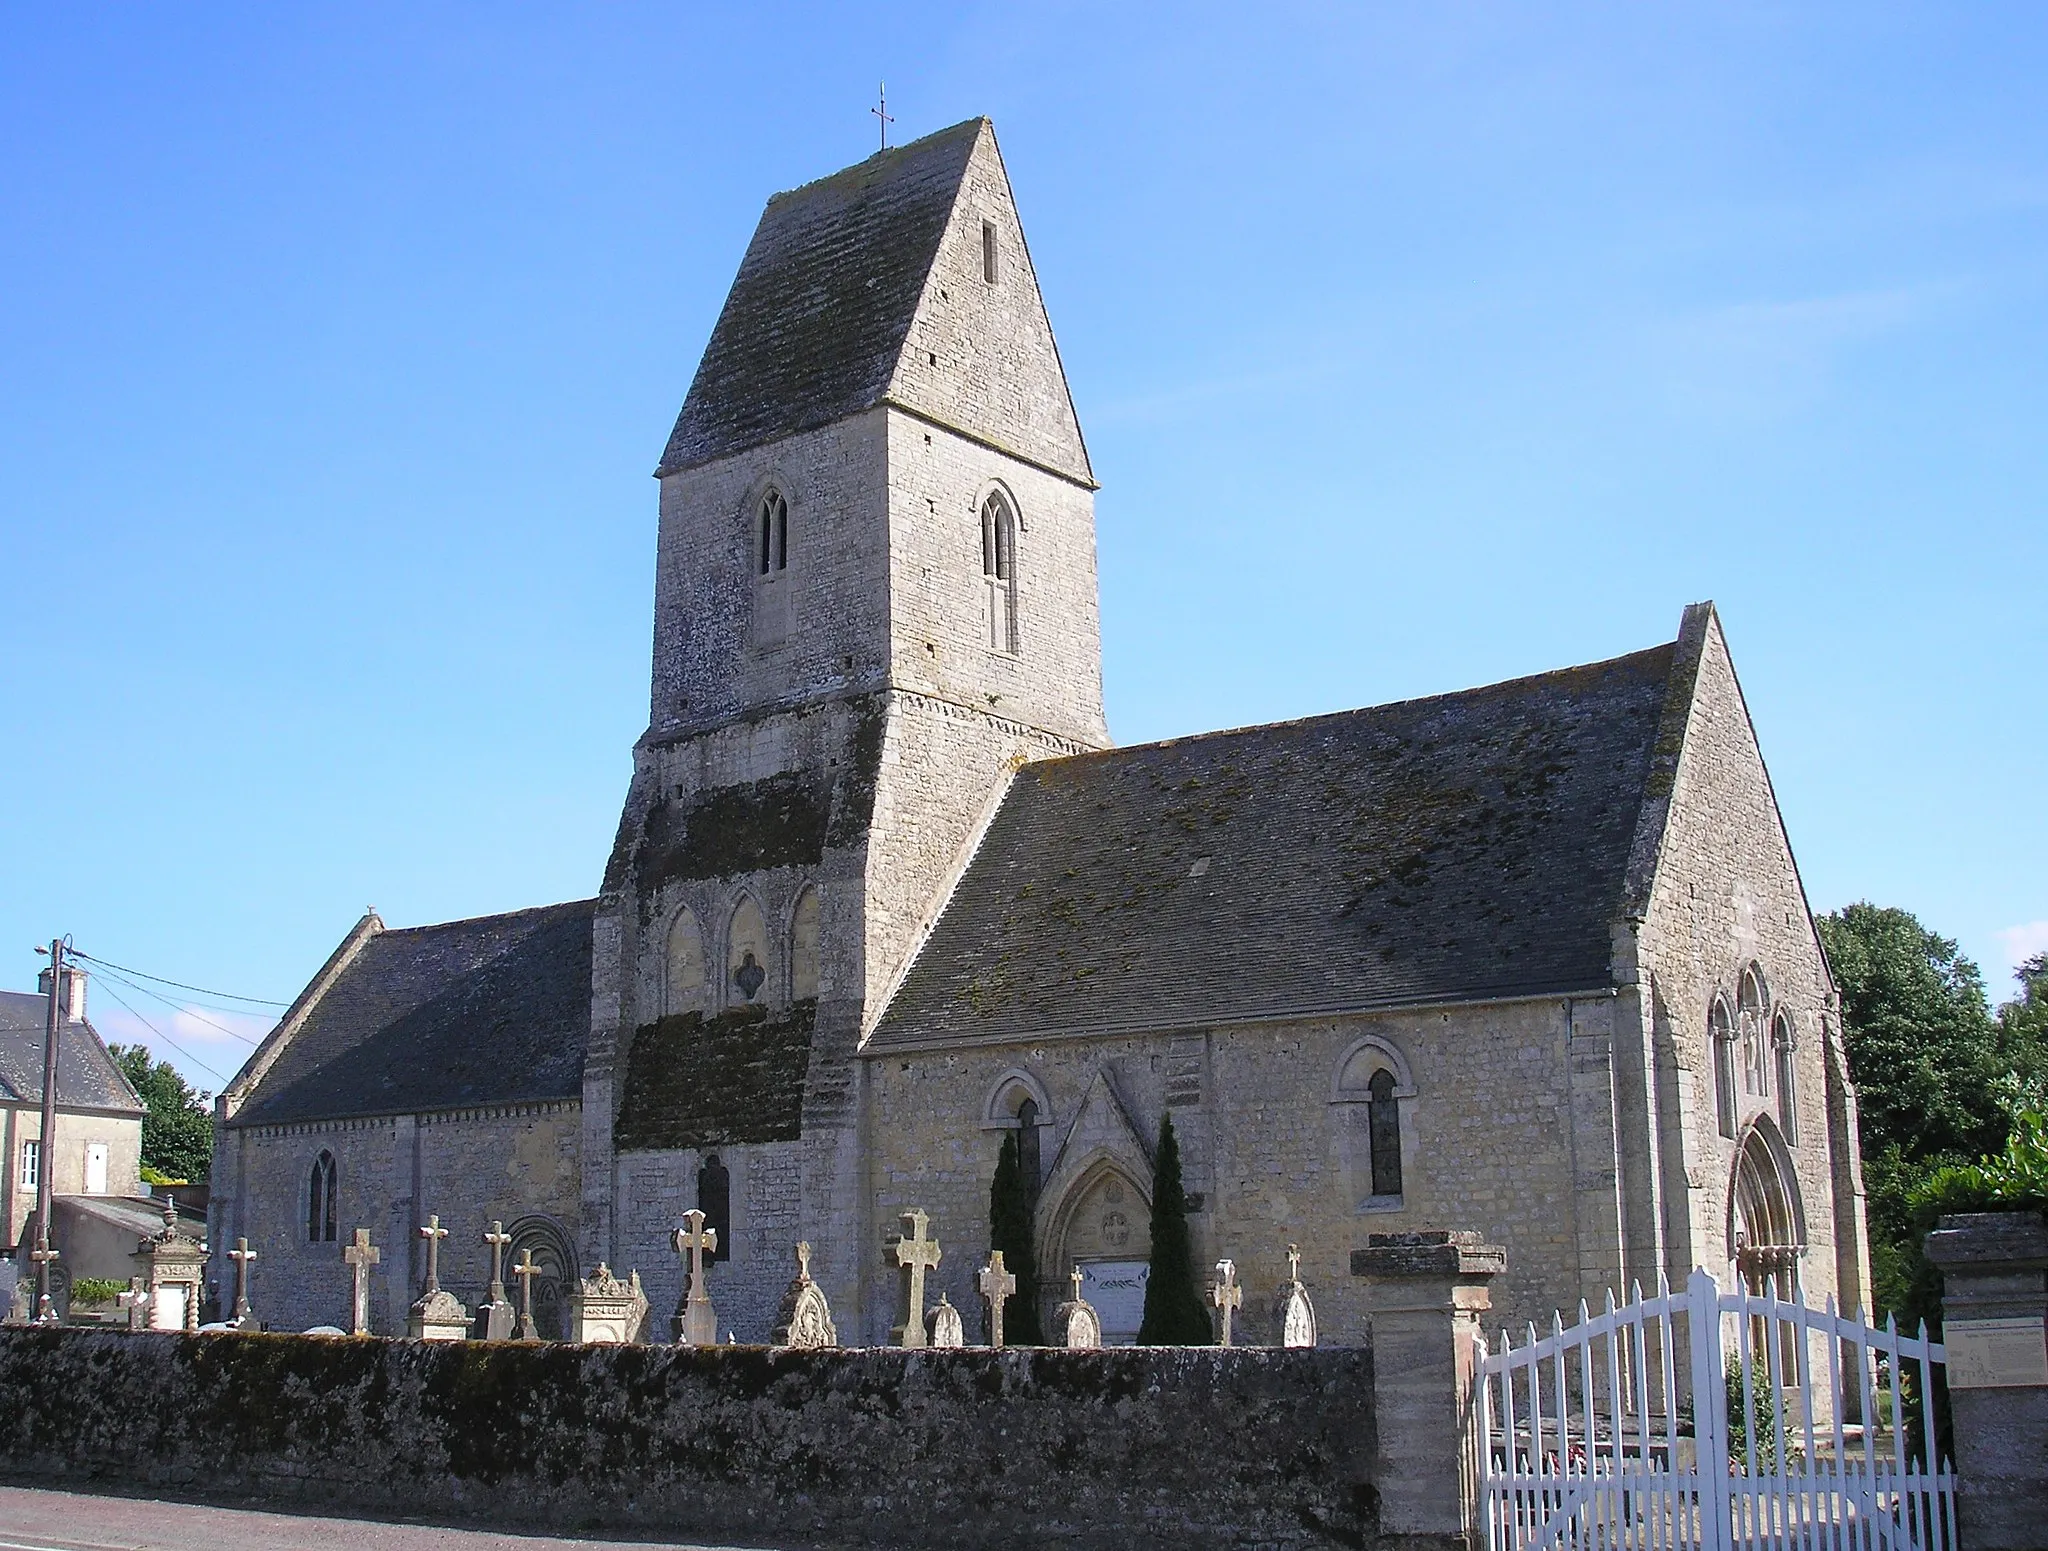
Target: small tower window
[[989, 252], [772, 554], [999, 571]]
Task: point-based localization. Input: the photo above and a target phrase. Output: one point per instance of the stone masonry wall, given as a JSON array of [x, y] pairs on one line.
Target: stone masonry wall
[[467, 1167], [1486, 1141], [1727, 894], [1143, 1448]]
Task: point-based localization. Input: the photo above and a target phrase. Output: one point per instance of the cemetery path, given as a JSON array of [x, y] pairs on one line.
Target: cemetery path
[[32, 1519]]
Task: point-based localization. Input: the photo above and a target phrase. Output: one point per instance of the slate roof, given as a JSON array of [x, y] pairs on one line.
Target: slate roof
[[1456, 848], [493, 1010], [824, 300], [87, 1077]]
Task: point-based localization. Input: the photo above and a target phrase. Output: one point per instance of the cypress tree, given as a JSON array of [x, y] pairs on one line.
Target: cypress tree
[[1174, 1312], [1009, 1230]]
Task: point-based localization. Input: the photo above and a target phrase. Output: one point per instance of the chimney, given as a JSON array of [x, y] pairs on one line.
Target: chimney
[[72, 1001]]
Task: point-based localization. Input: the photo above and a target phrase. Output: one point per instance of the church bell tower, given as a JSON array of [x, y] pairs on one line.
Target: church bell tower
[[875, 597]]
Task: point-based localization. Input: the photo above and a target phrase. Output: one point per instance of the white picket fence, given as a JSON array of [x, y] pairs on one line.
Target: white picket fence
[[1587, 1437]]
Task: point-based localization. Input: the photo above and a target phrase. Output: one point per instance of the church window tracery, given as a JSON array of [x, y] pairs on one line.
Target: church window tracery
[[803, 946], [773, 549], [771, 568], [999, 570], [684, 965], [1721, 1044], [320, 1194], [1784, 1043], [746, 953]]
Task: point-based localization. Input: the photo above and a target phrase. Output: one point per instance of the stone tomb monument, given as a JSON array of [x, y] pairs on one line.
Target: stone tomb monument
[[804, 1319], [1296, 1316], [1075, 1322], [173, 1267], [917, 1255], [605, 1310], [944, 1328], [439, 1315]]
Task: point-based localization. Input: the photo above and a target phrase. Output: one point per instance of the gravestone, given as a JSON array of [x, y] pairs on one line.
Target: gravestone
[[996, 1284], [695, 1322], [1227, 1296], [18, 1309], [242, 1318], [1075, 1323], [360, 1256], [1297, 1315], [439, 1315], [804, 1320], [945, 1329], [135, 1304], [173, 1265], [497, 1309], [917, 1255], [526, 1271], [45, 1259], [606, 1311]]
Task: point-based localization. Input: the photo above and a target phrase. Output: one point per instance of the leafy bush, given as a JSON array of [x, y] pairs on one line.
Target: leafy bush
[[96, 1289], [2014, 1180]]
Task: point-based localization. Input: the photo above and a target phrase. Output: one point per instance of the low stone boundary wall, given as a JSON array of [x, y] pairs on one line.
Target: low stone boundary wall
[[1125, 1448]]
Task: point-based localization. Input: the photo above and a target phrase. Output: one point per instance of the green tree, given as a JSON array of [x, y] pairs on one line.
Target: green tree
[[1939, 1080], [1009, 1230], [177, 1122], [1174, 1312]]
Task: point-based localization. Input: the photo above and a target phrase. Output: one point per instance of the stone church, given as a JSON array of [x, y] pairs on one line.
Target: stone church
[[1532, 959]]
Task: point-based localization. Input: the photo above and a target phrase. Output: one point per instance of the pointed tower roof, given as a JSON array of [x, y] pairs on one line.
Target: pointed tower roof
[[844, 276]]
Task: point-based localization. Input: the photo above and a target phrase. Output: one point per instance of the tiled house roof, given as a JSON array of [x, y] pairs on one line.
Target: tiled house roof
[[87, 1077]]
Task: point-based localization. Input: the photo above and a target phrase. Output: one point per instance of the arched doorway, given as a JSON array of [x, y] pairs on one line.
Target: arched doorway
[[1766, 1224], [1103, 1224], [557, 1263]]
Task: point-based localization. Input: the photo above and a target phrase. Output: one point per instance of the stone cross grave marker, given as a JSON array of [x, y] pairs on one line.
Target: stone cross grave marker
[[916, 1254], [1075, 1322], [136, 1302], [241, 1255], [696, 1323], [996, 1284], [1226, 1295], [498, 1309], [805, 1319], [433, 1233], [526, 1271], [360, 1256]]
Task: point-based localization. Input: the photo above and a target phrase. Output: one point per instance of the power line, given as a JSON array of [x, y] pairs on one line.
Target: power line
[[263, 1001], [177, 1007], [159, 1033]]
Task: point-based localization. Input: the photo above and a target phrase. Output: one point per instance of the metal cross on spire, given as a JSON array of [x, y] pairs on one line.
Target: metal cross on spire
[[882, 111]]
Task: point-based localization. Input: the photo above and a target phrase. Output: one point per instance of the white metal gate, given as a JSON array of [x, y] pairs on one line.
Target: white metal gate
[[1714, 1420]]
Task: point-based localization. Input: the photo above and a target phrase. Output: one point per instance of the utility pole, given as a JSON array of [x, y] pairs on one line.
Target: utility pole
[[46, 1153]]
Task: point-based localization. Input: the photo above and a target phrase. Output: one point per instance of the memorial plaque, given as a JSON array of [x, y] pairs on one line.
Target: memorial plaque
[[169, 1312], [1996, 1353], [1116, 1289]]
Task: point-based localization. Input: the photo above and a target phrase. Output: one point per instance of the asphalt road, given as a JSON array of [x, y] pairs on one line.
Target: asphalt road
[[33, 1520]]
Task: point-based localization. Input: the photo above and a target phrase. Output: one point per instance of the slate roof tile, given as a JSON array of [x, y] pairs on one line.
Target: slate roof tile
[[86, 1075], [1461, 847], [825, 297], [493, 1010]]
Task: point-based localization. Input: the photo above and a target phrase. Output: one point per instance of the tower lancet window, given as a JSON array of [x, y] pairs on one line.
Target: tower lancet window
[[772, 549], [999, 570], [990, 254]]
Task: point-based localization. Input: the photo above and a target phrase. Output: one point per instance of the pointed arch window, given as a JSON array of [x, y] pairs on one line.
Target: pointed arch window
[[1385, 1122], [772, 534], [1784, 1044], [684, 968], [320, 1194], [1721, 1046], [714, 1200], [999, 570], [1750, 1015], [803, 946], [771, 568]]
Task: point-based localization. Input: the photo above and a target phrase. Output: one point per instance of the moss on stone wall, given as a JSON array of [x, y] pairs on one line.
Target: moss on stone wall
[[1125, 1449], [775, 822], [693, 1081]]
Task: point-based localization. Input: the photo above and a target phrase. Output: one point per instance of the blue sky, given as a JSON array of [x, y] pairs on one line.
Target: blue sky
[[1417, 347]]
